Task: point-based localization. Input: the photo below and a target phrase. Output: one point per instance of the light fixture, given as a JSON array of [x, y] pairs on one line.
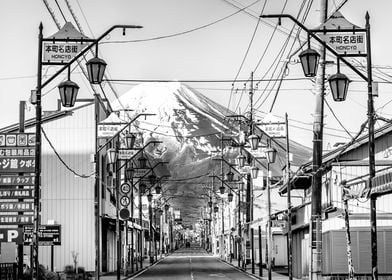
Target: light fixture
[[222, 189], [149, 197], [309, 60], [241, 160], [158, 189], [216, 209], [152, 179], [240, 184], [167, 206], [129, 173], [95, 70], [230, 196], [254, 172], [339, 86], [111, 155], [270, 154], [68, 93], [253, 141], [160, 211], [130, 140], [142, 161], [142, 188], [230, 176]]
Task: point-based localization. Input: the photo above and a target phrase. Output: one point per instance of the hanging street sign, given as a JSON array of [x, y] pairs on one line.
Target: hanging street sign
[[126, 154], [16, 219], [62, 52], [12, 180], [271, 125], [346, 42], [108, 130], [16, 206], [140, 172], [47, 235], [11, 235], [16, 194]]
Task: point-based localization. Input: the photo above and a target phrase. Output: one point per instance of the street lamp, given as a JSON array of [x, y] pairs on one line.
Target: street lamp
[[270, 154], [230, 176], [129, 172], [230, 196], [309, 60], [142, 161], [339, 86], [68, 92], [254, 141], [222, 189], [254, 172], [96, 69], [241, 160]]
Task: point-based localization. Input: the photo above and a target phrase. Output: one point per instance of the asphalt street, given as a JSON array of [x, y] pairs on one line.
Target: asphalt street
[[191, 264]]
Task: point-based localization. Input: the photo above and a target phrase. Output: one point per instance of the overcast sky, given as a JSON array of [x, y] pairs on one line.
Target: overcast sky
[[212, 52]]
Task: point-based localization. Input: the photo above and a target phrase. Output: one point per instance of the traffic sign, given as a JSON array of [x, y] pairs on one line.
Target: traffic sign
[[124, 214], [124, 201], [125, 188]]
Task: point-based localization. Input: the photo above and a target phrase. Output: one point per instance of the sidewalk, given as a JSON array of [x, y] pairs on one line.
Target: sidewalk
[[113, 275], [275, 275]]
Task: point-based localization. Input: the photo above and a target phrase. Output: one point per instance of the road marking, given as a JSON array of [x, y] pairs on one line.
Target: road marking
[[190, 262]]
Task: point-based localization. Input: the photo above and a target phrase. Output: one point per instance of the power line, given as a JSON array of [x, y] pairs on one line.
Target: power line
[[183, 32]]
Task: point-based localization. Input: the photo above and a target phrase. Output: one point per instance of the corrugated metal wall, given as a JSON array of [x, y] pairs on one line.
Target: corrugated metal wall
[[67, 198]]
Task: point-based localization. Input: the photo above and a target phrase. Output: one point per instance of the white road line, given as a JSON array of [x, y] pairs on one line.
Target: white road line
[[190, 261]]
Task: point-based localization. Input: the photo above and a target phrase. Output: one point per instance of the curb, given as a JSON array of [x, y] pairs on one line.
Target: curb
[[137, 273], [241, 270]]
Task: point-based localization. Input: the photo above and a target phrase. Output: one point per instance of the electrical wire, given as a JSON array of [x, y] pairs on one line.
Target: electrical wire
[[61, 159], [182, 32]]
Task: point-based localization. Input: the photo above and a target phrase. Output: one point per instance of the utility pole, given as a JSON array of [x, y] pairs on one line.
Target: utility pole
[[316, 224], [289, 232], [22, 105]]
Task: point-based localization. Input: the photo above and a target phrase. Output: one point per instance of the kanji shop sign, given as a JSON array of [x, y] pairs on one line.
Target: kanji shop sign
[[16, 206], [17, 164], [16, 194], [16, 219], [346, 42], [61, 52], [12, 180]]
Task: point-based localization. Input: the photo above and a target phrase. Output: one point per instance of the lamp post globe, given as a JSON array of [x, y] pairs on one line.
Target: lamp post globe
[[149, 197], [68, 93], [95, 70], [271, 155], [230, 196], [129, 173], [142, 162], [339, 86], [158, 189], [309, 60], [241, 160], [152, 179], [230, 176], [253, 141], [111, 155], [130, 140], [254, 172]]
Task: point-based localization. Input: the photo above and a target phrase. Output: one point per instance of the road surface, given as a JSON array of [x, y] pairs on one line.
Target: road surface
[[192, 264]]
